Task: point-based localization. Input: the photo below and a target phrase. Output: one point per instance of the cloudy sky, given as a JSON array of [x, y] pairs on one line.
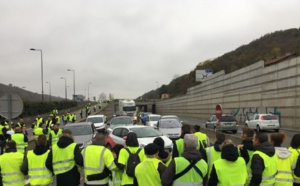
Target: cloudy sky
[[126, 47]]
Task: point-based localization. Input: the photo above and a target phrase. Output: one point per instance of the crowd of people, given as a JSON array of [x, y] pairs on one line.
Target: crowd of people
[[257, 160]]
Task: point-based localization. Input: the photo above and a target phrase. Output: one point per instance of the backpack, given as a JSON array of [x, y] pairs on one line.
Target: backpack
[[132, 162], [297, 168]]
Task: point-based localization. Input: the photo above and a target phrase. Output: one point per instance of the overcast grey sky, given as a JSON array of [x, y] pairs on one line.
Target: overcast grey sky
[[124, 47]]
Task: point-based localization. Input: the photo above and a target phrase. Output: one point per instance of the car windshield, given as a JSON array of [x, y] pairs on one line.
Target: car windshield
[[227, 118], [154, 118], [145, 132], [169, 124], [170, 117], [131, 108], [269, 117], [95, 120], [80, 130], [121, 121]]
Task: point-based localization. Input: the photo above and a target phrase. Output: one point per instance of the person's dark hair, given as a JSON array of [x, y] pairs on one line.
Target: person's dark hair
[[220, 137], [186, 128], [11, 144], [248, 132], [277, 139], [117, 148], [295, 142], [197, 128], [131, 140], [161, 148], [261, 137], [41, 140]]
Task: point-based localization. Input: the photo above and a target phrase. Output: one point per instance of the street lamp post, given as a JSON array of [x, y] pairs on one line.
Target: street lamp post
[[33, 49], [65, 86], [73, 82], [89, 91], [49, 89]]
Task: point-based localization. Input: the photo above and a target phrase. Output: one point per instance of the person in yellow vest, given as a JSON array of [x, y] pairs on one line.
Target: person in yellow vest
[[213, 153], [81, 112], [230, 169], [132, 145], [98, 162], [6, 124], [163, 155], [34, 164], [116, 174], [38, 120], [54, 135], [10, 164], [39, 131], [3, 136], [20, 139], [295, 149], [22, 126], [74, 118], [189, 169], [178, 146], [65, 118], [56, 119], [201, 136], [94, 108], [64, 158], [264, 161], [284, 176], [70, 118], [149, 171]]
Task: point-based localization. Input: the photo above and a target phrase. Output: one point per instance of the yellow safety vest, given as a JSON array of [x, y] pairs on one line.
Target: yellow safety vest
[[231, 173], [19, 139], [191, 177], [38, 121], [10, 164], [180, 146], [6, 125], [202, 137], [116, 178], [284, 176], [270, 171], [295, 154], [1, 127], [57, 120], [212, 156], [37, 171], [95, 159], [38, 132], [55, 137], [148, 166], [63, 158]]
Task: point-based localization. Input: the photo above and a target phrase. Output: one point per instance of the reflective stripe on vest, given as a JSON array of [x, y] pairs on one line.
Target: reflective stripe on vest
[[212, 156], [38, 173], [63, 158], [19, 139]]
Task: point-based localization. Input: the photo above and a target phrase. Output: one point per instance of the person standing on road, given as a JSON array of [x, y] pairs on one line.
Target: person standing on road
[[38, 120], [20, 139], [116, 174], [201, 136], [149, 171], [64, 158], [34, 164], [284, 177], [189, 169], [98, 162], [54, 135], [230, 169], [65, 118], [163, 155], [295, 149], [178, 146], [264, 161], [10, 164], [39, 131], [81, 112], [22, 126]]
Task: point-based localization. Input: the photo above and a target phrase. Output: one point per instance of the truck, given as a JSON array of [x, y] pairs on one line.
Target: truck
[[127, 108]]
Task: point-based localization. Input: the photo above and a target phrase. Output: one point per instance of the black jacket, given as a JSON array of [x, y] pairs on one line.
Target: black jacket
[[257, 163], [72, 177], [168, 176]]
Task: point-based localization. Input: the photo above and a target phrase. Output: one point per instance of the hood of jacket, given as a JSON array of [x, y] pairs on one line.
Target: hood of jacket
[[266, 148], [217, 146], [64, 141], [282, 152], [191, 154]]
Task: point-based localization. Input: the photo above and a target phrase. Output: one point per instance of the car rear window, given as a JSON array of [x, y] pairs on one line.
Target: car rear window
[[227, 118], [269, 117]]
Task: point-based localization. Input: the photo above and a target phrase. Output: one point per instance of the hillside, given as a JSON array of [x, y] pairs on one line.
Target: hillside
[[265, 48]]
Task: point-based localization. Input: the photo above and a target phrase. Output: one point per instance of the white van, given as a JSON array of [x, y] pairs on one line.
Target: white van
[[97, 120]]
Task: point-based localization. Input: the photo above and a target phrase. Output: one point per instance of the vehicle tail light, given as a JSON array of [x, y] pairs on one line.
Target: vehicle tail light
[[218, 123], [262, 118]]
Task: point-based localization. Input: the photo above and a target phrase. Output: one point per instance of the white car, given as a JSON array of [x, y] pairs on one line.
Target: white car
[[145, 135], [263, 122], [171, 117], [152, 120], [170, 128], [97, 120]]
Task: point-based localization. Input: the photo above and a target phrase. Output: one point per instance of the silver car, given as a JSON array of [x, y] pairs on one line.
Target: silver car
[[170, 128], [120, 121], [225, 123]]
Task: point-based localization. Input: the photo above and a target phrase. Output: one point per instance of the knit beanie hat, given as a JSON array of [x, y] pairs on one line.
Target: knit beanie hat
[[151, 149]]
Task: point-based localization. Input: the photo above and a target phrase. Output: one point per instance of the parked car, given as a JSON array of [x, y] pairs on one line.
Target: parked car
[[145, 135], [171, 117], [170, 127], [263, 122], [97, 120], [83, 133], [225, 123], [152, 120], [120, 121]]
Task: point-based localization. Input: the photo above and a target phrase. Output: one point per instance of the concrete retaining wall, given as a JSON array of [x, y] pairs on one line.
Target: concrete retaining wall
[[254, 86]]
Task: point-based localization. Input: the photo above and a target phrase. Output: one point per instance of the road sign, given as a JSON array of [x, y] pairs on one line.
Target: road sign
[[218, 111], [11, 106]]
